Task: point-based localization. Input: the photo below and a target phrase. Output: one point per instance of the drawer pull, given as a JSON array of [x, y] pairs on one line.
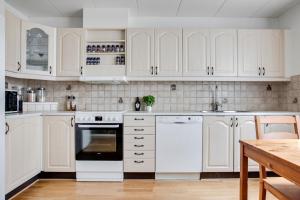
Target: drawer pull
[[139, 154], [138, 145], [139, 162], [139, 129], [138, 138], [138, 119]]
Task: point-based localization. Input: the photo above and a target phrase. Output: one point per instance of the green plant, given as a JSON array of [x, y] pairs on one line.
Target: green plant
[[149, 100]]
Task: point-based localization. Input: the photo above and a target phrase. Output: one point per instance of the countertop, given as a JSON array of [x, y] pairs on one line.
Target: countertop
[[156, 113]]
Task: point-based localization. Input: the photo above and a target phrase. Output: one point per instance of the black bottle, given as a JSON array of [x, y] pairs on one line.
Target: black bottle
[[137, 104]]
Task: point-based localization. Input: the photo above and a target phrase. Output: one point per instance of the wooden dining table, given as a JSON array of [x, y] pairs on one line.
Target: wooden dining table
[[281, 156]]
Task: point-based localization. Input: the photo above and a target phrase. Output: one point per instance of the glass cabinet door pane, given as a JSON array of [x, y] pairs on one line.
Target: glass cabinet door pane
[[37, 45]]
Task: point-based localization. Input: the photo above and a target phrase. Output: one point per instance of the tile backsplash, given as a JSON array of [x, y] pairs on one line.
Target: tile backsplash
[[188, 96]]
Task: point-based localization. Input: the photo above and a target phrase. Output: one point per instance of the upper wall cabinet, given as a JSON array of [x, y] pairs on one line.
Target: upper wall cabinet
[[70, 52], [196, 52], [168, 52], [140, 52], [260, 53], [223, 52], [12, 42], [37, 53]]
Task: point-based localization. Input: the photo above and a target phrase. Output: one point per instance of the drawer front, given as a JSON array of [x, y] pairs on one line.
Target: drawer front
[[147, 130], [139, 142], [139, 165], [139, 121], [139, 154]]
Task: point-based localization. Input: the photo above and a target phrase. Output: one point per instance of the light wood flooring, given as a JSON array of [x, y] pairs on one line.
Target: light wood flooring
[[212, 189]]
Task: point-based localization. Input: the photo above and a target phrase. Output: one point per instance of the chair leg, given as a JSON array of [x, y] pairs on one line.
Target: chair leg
[[262, 176]]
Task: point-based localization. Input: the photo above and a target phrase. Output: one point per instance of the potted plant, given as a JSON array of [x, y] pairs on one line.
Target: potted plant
[[149, 101]]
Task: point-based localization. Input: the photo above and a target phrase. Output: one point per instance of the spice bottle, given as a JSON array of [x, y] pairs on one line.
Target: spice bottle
[[68, 103], [73, 104]]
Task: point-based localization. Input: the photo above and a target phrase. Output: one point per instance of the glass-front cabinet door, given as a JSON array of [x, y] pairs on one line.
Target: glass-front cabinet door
[[37, 49]]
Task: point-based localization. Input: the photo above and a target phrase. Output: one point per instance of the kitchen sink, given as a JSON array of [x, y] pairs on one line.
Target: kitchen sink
[[222, 111]]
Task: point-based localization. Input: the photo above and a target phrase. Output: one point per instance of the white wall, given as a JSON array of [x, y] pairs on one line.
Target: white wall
[[2, 87], [291, 21]]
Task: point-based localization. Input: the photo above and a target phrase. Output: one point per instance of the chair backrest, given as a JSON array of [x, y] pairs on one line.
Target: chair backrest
[[260, 120]]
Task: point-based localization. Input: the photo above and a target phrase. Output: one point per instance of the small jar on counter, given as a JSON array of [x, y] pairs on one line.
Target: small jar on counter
[[68, 103], [31, 95], [73, 103]]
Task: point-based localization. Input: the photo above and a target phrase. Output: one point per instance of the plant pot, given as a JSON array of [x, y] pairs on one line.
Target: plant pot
[[149, 108]]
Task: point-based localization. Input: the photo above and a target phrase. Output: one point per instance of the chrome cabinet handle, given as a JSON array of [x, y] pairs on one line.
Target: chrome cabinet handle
[[139, 162], [138, 119], [138, 138], [7, 128], [207, 70], [237, 122], [231, 119], [72, 122], [81, 70], [139, 154], [139, 129], [264, 71], [152, 70], [156, 70], [19, 68], [259, 71], [212, 70], [138, 145]]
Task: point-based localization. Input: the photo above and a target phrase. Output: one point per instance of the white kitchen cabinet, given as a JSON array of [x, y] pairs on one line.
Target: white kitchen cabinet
[[37, 49], [59, 144], [168, 52], [272, 53], [196, 52], [260, 53], [70, 51], [218, 144], [23, 144], [244, 129], [12, 42], [140, 52], [223, 52]]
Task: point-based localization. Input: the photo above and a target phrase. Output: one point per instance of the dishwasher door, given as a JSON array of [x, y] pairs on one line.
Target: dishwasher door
[[178, 144]]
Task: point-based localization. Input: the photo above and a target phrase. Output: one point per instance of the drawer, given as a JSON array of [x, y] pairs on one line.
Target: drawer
[[139, 142], [139, 165], [148, 130], [139, 121], [139, 154]]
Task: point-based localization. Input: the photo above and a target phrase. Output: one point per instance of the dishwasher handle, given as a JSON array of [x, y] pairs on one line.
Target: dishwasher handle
[[179, 122]]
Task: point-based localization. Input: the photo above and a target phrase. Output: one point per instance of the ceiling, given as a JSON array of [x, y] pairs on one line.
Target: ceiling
[[158, 8]]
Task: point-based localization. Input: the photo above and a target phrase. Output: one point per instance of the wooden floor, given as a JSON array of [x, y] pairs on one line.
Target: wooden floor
[[212, 189]]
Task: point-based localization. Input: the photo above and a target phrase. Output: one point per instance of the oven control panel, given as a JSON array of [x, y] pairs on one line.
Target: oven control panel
[[94, 117]]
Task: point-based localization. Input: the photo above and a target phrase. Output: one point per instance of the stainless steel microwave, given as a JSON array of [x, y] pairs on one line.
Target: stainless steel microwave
[[11, 101]]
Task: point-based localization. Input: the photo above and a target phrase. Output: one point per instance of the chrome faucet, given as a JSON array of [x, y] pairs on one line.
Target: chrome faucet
[[215, 104]]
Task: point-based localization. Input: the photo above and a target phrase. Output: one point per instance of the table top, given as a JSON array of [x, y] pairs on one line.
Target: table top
[[285, 150]]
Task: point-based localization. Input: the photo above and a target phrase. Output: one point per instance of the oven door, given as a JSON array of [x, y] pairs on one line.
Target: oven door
[[99, 142]]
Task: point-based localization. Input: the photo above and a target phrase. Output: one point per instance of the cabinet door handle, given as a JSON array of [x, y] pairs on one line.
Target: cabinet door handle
[[212, 71], [138, 145], [7, 128], [152, 70], [139, 154], [207, 70], [237, 122], [138, 138], [156, 70], [139, 129], [138, 119], [231, 119], [19, 68], [50, 70], [138, 161], [72, 122], [81, 70], [264, 71], [259, 71]]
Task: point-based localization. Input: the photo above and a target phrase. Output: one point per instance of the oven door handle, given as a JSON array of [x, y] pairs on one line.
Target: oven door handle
[[98, 126]]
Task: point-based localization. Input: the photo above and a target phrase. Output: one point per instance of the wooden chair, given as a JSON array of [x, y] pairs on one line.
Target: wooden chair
[[278, 186]]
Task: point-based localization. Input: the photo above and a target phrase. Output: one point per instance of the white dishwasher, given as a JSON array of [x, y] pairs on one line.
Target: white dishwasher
[[178, 147]]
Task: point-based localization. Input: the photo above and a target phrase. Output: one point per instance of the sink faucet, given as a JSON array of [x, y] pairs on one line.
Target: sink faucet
[[215, 104]]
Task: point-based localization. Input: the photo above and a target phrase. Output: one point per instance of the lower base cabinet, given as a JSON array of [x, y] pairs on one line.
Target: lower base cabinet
[[59, 144], [23, 145]]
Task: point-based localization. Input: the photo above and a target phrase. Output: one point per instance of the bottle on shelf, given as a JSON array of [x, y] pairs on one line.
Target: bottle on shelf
[[118, 60], [122, 49]]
